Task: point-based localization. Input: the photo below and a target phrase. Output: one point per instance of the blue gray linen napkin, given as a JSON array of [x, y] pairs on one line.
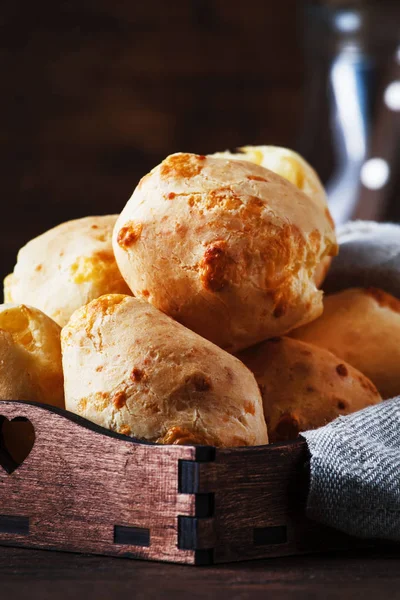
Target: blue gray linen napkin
[[369, 256], [355, 472], [355, 460]]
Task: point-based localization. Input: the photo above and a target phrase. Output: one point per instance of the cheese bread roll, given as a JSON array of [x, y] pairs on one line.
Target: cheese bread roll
[[305, 387], [294, 168], [226, 247], [361, 326], [130, 368], [30, 356], [66, 267]]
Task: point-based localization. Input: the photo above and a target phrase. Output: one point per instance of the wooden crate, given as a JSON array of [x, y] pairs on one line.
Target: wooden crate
[[85, 489]]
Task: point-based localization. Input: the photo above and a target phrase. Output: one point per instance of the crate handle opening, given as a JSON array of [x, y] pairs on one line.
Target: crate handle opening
[[17, 438]]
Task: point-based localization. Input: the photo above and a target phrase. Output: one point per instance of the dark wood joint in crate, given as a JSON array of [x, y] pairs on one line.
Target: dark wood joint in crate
[[197, 534], [192, 477], [193, 473]]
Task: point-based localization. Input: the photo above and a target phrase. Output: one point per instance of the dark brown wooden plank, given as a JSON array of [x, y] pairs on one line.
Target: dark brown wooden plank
[[82, 488], [259, 498], [40, 575], [79, 482]]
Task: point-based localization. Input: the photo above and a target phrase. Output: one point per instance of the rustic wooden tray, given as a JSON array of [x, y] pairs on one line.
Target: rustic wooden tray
[[85, 489]]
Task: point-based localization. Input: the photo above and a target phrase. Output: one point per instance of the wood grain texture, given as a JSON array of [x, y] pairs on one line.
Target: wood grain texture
[[83, 488], [343, 575], [79, 482], [259, 498]]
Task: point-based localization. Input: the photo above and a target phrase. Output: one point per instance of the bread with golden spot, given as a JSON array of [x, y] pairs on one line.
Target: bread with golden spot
[[66, 267], [304, 387], [145, 375], [294, 168], [361, 326], [225, 247], [284, 162], [30, 356]]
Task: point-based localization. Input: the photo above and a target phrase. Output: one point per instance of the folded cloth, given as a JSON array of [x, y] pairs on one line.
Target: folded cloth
[[355, 472], [355, 460], [369, 256]]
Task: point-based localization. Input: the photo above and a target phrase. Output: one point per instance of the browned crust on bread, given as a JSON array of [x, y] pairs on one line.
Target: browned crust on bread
[[129, 234], [180, 436], [119, 400], [214, 266], [182, 165], [384, 299]]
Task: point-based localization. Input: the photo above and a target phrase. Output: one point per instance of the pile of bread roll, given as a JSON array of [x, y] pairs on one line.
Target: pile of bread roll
[[196, 315]]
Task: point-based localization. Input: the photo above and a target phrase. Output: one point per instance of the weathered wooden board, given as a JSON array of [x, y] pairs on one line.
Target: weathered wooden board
[[82, 488]]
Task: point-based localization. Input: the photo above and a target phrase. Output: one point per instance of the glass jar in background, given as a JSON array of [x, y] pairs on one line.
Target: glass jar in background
[[351, 129]]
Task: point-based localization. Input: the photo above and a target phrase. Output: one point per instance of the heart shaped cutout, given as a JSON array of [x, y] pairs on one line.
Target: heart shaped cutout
[[17, 438]]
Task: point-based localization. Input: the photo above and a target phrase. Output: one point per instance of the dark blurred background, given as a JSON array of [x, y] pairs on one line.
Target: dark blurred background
[[95, 93]]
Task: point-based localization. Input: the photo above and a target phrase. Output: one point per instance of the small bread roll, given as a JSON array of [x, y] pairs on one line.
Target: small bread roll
[[15, 379], [304, 387], [362, 327], [294, 168], [30, 369], [66, 267], [284, 162], [225, 247], [144, 375], [30, 356]]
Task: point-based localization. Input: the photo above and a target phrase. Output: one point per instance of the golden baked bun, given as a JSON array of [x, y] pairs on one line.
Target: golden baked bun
[[30, 356], [225, 247], [284, 162], [132, 369], [66, 267], [294, 168], [322, 270], [304, 387], [362, 327]]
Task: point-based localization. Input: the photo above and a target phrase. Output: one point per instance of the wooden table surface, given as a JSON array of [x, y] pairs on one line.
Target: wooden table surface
[[41, 575]]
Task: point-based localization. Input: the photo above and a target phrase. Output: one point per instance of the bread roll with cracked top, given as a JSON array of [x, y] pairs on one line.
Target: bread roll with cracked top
[[132, 369], [304, 387], [66, 267], [227, 248], [361, 326], [30, 356], [294, 168]]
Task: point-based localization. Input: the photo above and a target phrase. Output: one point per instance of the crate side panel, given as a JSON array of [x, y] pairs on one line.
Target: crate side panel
[[77, 485], [260, 496]]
